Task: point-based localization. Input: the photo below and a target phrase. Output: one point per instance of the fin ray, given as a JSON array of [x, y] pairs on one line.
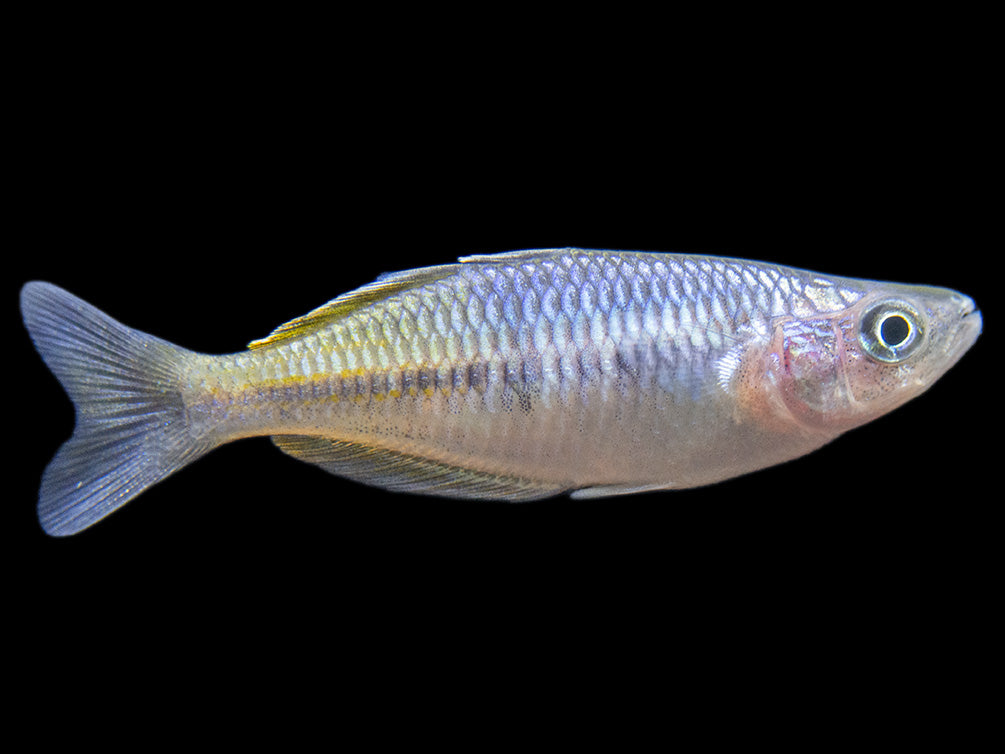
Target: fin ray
[[402, 472]]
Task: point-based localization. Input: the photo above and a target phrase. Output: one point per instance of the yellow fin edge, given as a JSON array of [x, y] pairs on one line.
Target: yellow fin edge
[[381, 288]]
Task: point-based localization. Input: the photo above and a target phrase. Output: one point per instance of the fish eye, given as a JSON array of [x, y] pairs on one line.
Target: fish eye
[[891, 331]]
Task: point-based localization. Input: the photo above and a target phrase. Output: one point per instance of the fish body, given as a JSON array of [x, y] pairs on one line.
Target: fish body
[[514, 376]]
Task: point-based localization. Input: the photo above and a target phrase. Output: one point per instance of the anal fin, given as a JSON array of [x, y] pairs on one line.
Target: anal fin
[[403, 472]]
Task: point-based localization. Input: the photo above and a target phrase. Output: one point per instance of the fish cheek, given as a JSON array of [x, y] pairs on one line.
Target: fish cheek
[[875, 387]]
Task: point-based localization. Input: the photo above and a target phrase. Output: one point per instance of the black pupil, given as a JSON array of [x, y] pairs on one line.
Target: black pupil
[[894, 330]]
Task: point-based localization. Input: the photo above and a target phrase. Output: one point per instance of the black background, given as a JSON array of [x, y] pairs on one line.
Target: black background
[[206, 193]]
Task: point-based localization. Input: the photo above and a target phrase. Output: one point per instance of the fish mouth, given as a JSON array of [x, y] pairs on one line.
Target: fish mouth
[[968, 329]]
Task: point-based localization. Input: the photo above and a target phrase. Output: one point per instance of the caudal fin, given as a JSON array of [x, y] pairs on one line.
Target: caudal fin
[[131, 429]]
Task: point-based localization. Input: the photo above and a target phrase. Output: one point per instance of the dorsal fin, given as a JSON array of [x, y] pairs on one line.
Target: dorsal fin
[[521, 255], [386, 285], [401, 472]]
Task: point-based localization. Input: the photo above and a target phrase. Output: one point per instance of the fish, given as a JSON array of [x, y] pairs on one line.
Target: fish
[[511, 377]]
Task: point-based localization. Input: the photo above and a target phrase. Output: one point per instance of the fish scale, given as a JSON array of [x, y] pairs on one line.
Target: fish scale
[[523, 335], [510, 377]]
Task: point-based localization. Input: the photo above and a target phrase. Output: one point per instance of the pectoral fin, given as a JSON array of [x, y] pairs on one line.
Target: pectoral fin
[[610, 490]]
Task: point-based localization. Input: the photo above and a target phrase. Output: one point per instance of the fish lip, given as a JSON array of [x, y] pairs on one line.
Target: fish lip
[[969, 307], [969, 329], [970, 315]]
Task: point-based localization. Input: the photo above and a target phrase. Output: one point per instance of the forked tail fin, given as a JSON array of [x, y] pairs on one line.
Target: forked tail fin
[[131, 429]]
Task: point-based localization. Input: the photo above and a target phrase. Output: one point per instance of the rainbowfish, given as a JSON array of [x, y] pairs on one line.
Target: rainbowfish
[[513, 376]]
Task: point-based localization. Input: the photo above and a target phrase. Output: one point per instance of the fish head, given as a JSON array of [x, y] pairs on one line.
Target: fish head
[[841, 369]]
